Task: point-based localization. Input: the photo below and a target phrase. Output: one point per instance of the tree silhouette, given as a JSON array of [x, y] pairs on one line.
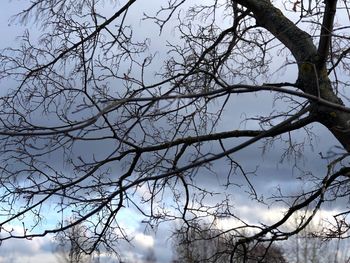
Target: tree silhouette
[[205, 243], [70, 246], [88, 129], [150, 256]]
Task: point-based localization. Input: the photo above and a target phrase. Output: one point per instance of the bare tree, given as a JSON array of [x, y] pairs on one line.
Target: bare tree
[[205, 243], [70, 245], [306, 246], [150, 256], [88, 130], [312, 245]]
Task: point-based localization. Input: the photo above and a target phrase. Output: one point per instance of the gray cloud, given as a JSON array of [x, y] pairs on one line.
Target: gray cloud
[[270, 173]]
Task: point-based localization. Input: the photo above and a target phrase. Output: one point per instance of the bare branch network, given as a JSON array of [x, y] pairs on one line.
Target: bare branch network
[[121, 106]]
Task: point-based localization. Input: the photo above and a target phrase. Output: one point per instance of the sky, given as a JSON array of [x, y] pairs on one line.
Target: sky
[[273, 172], [42, 250]]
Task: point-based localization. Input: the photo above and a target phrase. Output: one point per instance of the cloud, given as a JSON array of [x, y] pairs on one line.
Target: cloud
[[33, 258], [143, 240], [37, 250]]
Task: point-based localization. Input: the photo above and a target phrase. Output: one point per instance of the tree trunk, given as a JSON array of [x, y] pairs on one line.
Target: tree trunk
[[312, 76]]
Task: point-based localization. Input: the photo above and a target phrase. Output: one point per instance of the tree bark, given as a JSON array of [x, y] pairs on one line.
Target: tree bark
[[312, 73]]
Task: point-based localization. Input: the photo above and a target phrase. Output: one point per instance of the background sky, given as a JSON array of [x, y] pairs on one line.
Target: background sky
[[272, 171]]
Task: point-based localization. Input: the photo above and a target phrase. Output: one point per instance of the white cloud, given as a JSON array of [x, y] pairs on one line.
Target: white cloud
[[33, 258], [35, 250], [268, 216], [145, 241]]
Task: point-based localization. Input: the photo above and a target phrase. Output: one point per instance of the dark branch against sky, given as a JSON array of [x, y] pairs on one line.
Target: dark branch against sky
[[235, 104]]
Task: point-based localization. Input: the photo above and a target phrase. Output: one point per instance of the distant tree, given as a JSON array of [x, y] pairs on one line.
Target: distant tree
[[150, 256], [70, 246], [312, 245], [102, 110], [204, 243]]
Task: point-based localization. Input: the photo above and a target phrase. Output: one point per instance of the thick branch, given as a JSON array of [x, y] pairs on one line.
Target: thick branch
[[232, 134], [326, 32], [313, 80], [271, 18]]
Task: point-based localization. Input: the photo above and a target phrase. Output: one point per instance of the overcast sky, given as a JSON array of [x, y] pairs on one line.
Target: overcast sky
[[271, 171]]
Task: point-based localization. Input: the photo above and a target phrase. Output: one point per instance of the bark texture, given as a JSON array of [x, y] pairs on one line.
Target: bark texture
[[313, 76]]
